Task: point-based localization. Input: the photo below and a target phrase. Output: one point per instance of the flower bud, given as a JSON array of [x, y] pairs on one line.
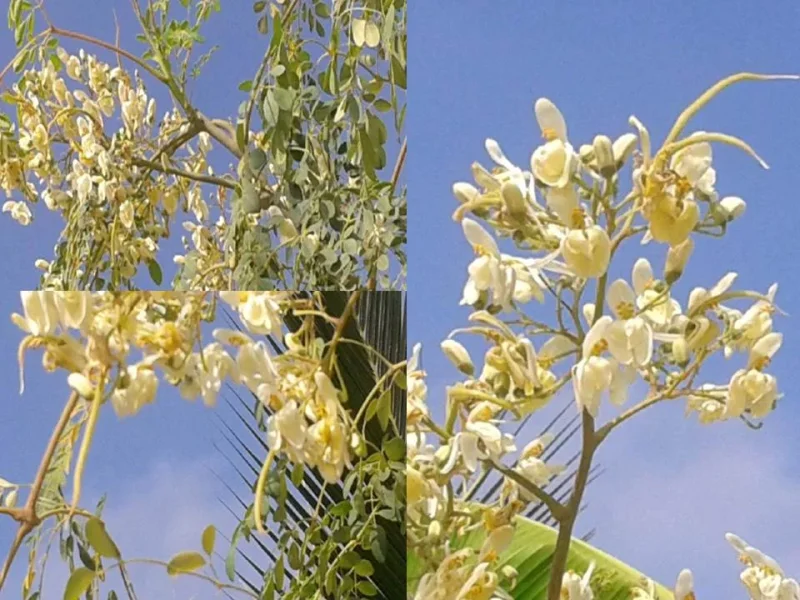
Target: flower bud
[[623, 147], [511, 574], [459, 356], [677, 257], [680, 351], [604, 155], [514, 200], [733, 207], [586, 153], [81, 384], [465, 192]]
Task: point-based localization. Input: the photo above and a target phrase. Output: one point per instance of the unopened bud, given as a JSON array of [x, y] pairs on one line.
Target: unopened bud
[[459, 356], [680, 351], [586, 153], [733, 207], [604, 155], [81, 384], [623, 147], [465, 192], [511, 574], [483, 178], [677, 257], [41, 264], [514, 200]]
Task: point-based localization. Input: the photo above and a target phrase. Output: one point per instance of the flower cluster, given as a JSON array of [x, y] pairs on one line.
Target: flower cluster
[[120, 346], [607, 336]]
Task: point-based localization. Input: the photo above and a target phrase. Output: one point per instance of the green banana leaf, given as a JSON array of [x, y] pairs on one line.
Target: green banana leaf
[[531, 553]]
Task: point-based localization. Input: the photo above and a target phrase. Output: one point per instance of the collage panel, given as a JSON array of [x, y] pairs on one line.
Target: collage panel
[[600, 404], [201, 444]]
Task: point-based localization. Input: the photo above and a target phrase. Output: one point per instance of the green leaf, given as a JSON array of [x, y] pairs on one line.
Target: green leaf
[[259, 6], [77, 584], [531, 553], [364, 568], [258, 159], [395, 449], [246, 85], [98, 538], [382, 105], [185, 562], [263, 25], [155, 272], [382, 263], [366, 588], [284, 98], [208, 538]]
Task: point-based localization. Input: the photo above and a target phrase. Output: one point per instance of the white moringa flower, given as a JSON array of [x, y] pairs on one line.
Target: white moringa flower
[[754, 324], [587, 251], [287, 430], [480, 439], [127, 214], [74, 309], [81, 384], [563, 201], [693, 163], [575, 587], [259, 311], [553, 162], [701, 295], [458, 355], [594, 374], [537, 472], [19, 211], [630, 337], [465, 192], [536, 448], [142, 384], [416, 409], [750, 389], [41, 316], [218, 366], [656, 306]]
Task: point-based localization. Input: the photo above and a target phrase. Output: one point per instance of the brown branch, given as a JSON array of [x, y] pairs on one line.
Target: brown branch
[[188, 175], [27, 515], [349, 308]]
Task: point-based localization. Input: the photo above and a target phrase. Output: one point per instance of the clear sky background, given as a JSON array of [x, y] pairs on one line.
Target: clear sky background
[[672, 488], [155, 467]]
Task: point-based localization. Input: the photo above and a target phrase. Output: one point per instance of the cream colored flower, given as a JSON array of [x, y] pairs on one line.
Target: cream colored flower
[[594, 374], [554, 162], [575, 587], [629, 337], [218, 366], [587, 251], [654, 304], [74, 309], [41, 316], [139, 390], [480, 439], [287, 430], [126, 214], [19, 212]]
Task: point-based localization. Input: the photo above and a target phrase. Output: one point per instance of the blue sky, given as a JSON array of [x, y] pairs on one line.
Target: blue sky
[[672, 488]]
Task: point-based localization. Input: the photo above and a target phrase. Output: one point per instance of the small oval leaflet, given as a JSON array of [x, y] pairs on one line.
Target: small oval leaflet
[[185, 562], [99, 540], [78, 583]]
